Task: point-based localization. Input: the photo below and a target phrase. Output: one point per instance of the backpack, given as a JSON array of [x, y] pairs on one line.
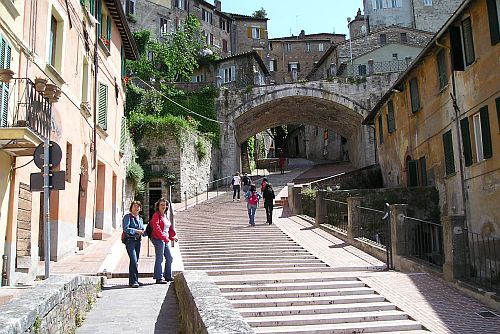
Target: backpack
[[124, 235], [149, 230], [253, 199]]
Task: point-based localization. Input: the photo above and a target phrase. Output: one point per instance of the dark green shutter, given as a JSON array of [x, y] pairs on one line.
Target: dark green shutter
[[442, 73], [456, 49], [99, 17], [423, 171], [449, 157], [464, 127], [493, 20], [414, 95], [108, 30], [391, 121], [485, 131], [123, 62], [412, 173], [92, 6], [380, 130], [5, 53], [497, 101], [102, 118], [123, 134], [468, 40]]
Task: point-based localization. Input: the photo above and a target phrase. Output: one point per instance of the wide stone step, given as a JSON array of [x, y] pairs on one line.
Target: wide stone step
[[258, 281], [327, 300], [346, 328], [291, 286], [256, 257], [228, 252], [298, 293], [226, 241], [249, 247], [315, 309], [272, 270], [311, 264], [216, 261], [328, 318]]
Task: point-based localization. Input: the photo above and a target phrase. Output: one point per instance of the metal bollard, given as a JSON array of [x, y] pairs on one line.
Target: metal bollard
[[185, 200]]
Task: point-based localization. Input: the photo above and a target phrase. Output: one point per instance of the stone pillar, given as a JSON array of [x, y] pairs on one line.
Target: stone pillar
[[353, 217], [320, 207], [398, 232], [297, 199], [370, 67], [290, 196], [454, 247]]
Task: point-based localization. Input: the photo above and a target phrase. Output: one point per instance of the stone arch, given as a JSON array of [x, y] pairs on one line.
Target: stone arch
[[309, 104]]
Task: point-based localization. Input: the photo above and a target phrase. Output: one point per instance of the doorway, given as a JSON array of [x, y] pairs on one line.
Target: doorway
[[154, 195]]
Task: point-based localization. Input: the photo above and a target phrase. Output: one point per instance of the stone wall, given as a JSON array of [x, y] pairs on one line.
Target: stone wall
[[202, 307], [369, 177], [55, 306]]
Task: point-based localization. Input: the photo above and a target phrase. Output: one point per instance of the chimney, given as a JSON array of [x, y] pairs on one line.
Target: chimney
[[302, 33], [218, 6]]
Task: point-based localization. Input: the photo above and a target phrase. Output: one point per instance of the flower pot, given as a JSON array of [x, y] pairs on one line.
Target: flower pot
[[40, 84], [50, 90], [6, 75]]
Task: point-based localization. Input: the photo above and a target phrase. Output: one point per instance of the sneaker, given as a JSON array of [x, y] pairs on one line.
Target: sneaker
[[135, 285], [169, 279], [160, 281]]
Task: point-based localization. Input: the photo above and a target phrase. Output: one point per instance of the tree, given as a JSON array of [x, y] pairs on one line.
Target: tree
[[260, 14]]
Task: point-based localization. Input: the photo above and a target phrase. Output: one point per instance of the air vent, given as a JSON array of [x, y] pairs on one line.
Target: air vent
[[487, 314]]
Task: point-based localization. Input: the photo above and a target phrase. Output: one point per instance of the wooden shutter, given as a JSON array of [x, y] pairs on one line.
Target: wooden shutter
[[391, 121], [99, 17], [262, 33], [249, 32], [415, 98], [5, 54], [442, 73], [423, 171], [102, 117], [298, 67], [412, 173], [92, 7], [468, 41], [108, 30], [485, 132], [493, 20], [233, 73], [456, 49], [123, 134], [275, 66], [449, 157], [497, 101], [464, 129], [289, 67], [122, 54]]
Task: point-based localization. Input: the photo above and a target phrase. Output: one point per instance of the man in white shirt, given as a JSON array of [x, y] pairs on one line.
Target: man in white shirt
[[236, 186]]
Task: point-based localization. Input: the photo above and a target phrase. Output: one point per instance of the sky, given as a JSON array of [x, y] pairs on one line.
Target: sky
[[287, 17]]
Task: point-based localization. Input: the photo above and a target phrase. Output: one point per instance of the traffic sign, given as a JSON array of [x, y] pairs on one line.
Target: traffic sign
[[56, 181], [55, 155]]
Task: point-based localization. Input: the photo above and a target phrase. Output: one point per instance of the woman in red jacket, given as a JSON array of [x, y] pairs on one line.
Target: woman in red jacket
[[163, 233]]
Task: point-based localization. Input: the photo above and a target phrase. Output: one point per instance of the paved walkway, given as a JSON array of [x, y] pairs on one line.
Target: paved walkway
[[153, 308]]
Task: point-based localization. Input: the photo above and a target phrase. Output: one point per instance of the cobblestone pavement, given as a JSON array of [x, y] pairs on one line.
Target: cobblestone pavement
[[150, 309]]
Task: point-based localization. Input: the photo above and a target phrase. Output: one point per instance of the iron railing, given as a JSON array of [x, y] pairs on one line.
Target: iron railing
[[424, 241], [373, 226], [336, 214], [32, 110], [483, 260]]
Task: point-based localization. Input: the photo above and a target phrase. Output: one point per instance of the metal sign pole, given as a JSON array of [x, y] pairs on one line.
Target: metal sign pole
[[46, 204]]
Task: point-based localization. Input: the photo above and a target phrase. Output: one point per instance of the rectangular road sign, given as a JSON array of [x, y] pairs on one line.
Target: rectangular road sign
[[56, 181]]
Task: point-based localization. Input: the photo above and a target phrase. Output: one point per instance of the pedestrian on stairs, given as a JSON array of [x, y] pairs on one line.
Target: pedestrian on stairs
[[269, 202], [253, 198], [133, 228], [236, 182], [163, 234], [247, 181]]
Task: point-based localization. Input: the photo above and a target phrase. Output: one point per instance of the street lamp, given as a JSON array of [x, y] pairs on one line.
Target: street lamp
[[350, 43]]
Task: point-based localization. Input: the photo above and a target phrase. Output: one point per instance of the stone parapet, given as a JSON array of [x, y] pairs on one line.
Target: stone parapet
[[56, 305], [203, 309]]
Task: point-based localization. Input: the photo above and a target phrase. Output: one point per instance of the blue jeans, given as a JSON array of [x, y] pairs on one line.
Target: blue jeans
[[251, 214], [162, 249], [133, 249]]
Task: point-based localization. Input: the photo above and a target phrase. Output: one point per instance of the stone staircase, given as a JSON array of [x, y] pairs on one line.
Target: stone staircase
[[277, 285]]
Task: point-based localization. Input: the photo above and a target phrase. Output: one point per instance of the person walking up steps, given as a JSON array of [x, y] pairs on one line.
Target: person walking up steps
[[133, 227], [246, 183], [253, 198], [236, 182], [163, 233], [269, 202]]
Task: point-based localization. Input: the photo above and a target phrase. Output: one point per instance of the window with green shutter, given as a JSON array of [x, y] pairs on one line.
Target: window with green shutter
[[412, 173], [422, 166], [485, 132], [5, 54], [123, 134], [108, 30], [494, 21], [380, 131], [102, 116], [466, 142], [449, 158], [391, 121], [468, 41], [441, 67], [414, 95], [99, 17]]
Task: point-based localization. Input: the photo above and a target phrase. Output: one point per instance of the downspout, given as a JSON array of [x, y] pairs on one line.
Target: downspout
[[374, 142], [94, 117], [453, 95]]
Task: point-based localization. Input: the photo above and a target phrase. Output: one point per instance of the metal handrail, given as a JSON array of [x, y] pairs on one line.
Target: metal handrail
[[332, 200]]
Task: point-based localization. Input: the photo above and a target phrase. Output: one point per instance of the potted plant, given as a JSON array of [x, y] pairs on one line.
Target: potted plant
[[50, 90], [40, 84], [6, 75]]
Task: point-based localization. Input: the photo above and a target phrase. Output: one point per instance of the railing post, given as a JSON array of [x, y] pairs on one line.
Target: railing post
[[399, 231], [217, 187], [196, 193], [321, 212], [353, 217], [185, 200], [297, 199], [208, 185], [454, 247]]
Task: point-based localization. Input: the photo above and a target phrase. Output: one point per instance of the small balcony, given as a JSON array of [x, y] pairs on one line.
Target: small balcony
[[27, 124]]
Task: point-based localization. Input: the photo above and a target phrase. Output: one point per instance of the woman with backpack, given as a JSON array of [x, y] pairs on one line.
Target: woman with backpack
[[253, 198], [269, 196], [162, 232], [133, 229], [263, 185]]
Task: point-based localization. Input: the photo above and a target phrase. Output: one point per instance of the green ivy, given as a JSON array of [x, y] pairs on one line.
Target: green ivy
[[150, 125], [201, 150], [135, 173]]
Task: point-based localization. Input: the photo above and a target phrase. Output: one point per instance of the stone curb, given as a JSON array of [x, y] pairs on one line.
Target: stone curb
[[20, 314], [202, 307]]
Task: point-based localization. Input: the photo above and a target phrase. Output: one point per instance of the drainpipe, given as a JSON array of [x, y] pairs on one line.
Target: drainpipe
[[96, 67], [4, 270], [374, 142], [453, 95]]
